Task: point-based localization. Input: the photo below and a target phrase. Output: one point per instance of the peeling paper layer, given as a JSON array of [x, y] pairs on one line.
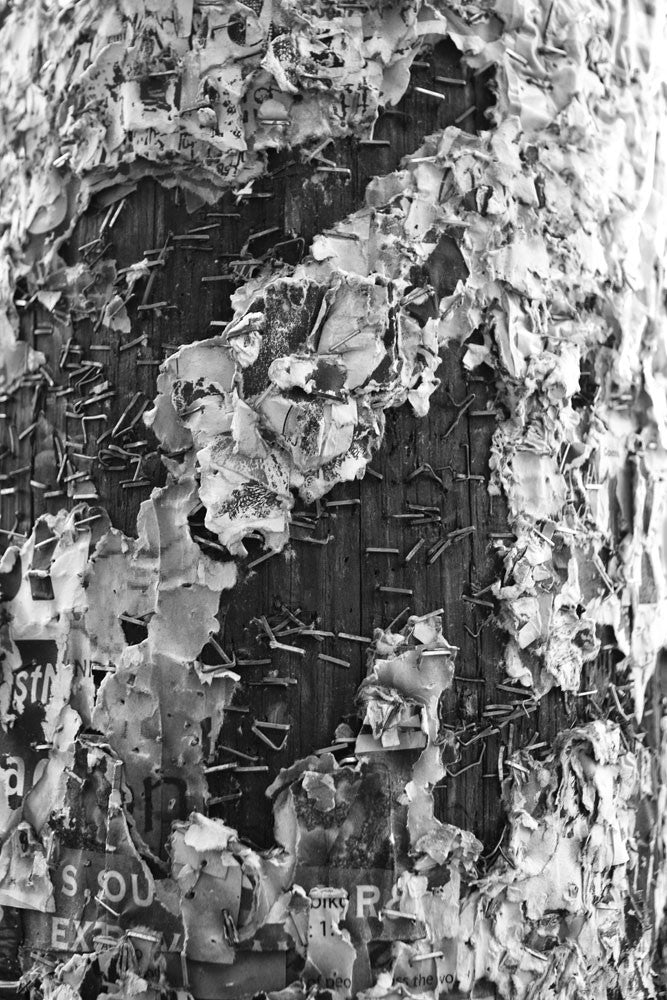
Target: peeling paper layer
[[558, 215]]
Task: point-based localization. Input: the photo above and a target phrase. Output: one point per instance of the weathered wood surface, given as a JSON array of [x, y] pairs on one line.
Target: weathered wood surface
[[334, 585]]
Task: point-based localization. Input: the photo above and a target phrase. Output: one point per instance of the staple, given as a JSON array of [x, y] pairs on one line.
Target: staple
[[467, 112], [468, 767], [414, 550], [469, 680], [333, 659], [132, 621], [427, 469], [260, 559], [72, 774], [334, 170], [43, 331], [397, 619], [334, 748], [377, 550], [105, 939], [514, 690], [267, 628], [262, 233], [9, 491], [141, 936], [395, 590], [417, 294], [218, 648], [12, 534], [315, 541], [47, 376], [399, 914], [75, 476], [437, 550], [114, 217], [281, 727], [272, 682], [116, 449], [374, 473], [216, 668], [469, 599], [266, 741], [119, 422], [97, 399], [354, 238], [241, 709], [430, 614], [342, 503], [51, 494], [552, 50], [105, 221], [146, 306], [65, 351], [151, 278], [106, 906], [87, 246], [91, 263], [238, 753], [274, 644], [89, 375], [131, 484], [304, 516], [430, 93], [516, 56], [455, 81], [253, 768], [218, 768], [214, 801], [482, 735], [544, 538], [43, 960], [374, 142], [28, 430], [47, 541], [353, 638], [614, 692], [428, 955], [293, 615], [586, 694], [190, 235], [517, 767], [219, 277], [501, 774]]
